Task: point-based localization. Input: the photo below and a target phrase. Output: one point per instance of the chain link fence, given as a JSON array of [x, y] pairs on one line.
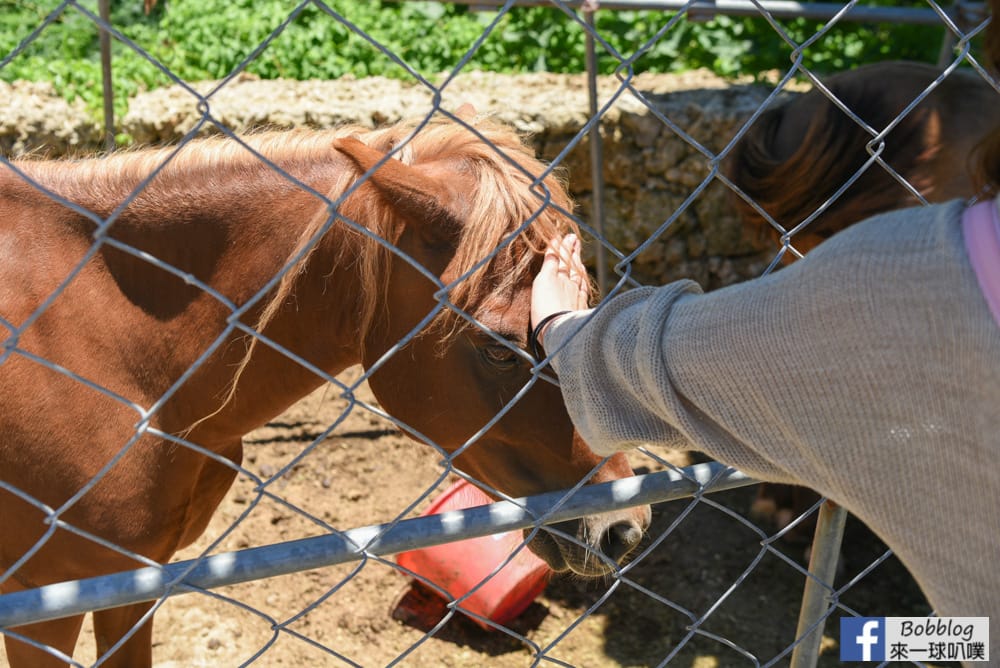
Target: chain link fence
[[295, 567]]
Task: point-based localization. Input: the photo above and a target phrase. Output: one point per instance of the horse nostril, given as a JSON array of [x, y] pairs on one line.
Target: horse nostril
[[620, 539]]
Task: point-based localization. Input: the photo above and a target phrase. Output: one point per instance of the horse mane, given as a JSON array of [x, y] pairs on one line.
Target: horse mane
[[830, 150], [508, 194], [505, 199]]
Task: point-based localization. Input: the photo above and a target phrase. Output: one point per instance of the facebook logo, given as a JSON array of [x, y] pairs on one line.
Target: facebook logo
[[862, 638]]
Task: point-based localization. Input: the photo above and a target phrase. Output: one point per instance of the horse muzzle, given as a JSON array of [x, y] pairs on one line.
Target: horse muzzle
[[592, 546]]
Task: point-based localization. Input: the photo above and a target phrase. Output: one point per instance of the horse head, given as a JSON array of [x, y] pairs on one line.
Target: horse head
[[457, 372]]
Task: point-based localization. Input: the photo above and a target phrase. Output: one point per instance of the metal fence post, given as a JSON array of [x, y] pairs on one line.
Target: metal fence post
[[104, 7], [596, 149], [816, 597]]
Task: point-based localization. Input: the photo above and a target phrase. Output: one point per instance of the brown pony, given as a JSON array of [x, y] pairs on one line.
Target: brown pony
[[796, 156], [127, 385]]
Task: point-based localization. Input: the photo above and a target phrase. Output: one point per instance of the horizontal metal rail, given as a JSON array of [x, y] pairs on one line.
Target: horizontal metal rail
[[151, 583], [784, 9]]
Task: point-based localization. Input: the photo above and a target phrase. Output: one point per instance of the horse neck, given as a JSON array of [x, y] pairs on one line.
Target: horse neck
[[233, 227], [310, 315], [314, 327]]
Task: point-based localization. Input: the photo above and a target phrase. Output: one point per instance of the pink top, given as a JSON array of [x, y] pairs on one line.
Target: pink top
[[981, 226]]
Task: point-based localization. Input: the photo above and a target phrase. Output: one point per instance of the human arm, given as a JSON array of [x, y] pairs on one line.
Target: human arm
[[867, 371], [788, 376]]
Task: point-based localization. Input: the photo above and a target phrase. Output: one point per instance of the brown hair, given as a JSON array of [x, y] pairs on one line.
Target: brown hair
[[986, 165]]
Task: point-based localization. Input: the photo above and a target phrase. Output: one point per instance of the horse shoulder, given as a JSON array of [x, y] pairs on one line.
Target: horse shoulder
[[36, 251]]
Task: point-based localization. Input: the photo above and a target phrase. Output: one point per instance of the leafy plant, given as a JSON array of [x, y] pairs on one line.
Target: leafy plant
[[211, 39]]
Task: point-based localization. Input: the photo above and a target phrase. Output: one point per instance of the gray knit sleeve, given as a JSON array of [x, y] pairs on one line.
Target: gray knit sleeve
[[869, 371], [790, 375], [613, 348], [617, 373]]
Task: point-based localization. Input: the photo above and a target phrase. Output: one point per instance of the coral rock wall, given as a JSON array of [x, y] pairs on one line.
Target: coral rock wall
[[657, 152]]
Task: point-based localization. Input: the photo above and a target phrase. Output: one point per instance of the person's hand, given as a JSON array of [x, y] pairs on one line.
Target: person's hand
[[561, 284]]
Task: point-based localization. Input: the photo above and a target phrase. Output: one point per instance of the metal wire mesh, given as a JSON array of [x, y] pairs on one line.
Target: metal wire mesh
[[708, 587]]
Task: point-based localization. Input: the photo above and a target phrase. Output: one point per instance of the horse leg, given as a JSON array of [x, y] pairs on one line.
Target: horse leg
[[59, 634], [110, 625]]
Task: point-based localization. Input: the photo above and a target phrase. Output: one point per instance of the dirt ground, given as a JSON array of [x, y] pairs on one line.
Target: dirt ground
[[366, 472]]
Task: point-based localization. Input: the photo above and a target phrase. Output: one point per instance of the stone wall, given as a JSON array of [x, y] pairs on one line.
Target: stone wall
[[34, 120], [651, 173]]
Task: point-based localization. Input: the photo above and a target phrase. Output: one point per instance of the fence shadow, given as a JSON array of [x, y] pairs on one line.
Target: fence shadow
[[706, 555]]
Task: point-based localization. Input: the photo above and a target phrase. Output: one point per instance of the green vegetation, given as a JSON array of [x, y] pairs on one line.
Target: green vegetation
[[210, 39]]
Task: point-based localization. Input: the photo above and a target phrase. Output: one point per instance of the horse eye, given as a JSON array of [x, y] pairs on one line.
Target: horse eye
[[500, 355]]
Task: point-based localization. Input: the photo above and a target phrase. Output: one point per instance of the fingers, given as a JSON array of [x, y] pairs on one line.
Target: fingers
[[571, 257], [550, 264], [565, 252], [582, 289], [561, 284]]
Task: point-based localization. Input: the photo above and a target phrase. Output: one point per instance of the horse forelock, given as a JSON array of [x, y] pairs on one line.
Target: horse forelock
[[510, 214]]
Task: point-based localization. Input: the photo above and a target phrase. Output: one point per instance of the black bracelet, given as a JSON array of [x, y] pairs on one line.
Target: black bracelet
[[535, 333]]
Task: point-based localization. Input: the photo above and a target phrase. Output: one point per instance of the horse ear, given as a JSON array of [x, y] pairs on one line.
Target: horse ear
[[424, 198], [466, 112]]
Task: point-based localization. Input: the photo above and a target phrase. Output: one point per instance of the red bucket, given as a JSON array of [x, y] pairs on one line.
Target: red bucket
[[458, 567]]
